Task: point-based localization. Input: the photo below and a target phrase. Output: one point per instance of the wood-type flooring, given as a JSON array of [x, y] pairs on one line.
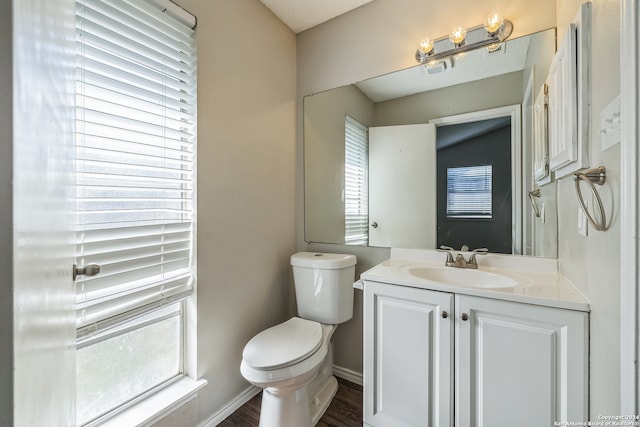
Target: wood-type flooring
[[345, 409]]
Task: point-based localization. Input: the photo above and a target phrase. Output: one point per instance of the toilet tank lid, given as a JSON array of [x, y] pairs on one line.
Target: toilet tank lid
[[322, 260]]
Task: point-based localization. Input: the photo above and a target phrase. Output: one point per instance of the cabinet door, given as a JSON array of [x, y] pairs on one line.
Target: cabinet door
[[519, 364], [569, 98], [563, 104], [408, 357]]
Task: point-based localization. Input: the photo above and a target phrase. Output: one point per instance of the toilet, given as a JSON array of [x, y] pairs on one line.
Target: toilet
[[293, 361]]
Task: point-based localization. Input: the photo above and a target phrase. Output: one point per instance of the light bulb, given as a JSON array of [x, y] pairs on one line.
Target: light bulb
[[457, 36], [426, 45], [493, 24]]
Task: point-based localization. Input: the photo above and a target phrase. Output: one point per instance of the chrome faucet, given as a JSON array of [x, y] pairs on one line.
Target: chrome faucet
[[460, 261]]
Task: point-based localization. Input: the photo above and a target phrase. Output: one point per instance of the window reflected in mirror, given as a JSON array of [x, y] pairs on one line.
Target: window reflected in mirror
[[356, 183], [469, 192]]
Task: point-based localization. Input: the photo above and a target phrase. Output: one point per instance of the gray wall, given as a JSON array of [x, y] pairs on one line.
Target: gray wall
[[394, 27]]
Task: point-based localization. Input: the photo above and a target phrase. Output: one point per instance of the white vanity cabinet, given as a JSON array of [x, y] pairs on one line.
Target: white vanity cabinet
[[443, 359], [408, 347]]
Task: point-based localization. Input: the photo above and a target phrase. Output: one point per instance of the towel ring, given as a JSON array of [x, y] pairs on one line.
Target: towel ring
[[591, 177], [534, 204]]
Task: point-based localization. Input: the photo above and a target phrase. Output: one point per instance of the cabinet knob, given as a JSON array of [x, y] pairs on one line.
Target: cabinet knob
[[444, 314], [464, 317]]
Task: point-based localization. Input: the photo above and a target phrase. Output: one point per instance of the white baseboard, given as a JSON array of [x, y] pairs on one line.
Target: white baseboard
[[347, 374], [232, 406]]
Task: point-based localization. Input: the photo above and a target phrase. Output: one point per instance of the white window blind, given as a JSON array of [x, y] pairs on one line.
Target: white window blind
[[356, 191], [135, 125], [469, 192]]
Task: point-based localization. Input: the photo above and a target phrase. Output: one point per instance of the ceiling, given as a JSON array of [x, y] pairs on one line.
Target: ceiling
[[300, 15]]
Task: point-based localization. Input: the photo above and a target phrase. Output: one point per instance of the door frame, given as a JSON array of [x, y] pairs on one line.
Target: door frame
[[515, 112], [528, 167], [629, 210]]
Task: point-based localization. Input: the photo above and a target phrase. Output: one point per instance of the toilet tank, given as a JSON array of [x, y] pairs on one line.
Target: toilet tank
[[324, 286]]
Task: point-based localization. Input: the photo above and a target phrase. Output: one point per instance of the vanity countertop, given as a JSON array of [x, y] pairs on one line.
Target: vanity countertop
[[537, 279]]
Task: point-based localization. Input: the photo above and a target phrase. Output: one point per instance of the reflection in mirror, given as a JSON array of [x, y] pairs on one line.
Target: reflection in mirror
[[354, 197], [478, 172]]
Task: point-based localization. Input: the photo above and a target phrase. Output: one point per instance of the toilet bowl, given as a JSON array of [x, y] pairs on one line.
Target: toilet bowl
[[298, 384], [293, 361]]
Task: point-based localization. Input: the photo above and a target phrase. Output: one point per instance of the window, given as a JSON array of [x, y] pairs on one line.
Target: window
[[469, 192], [135, 156], [356, 192]]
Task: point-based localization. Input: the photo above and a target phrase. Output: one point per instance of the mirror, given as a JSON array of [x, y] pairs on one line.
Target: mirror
[[344, 173]]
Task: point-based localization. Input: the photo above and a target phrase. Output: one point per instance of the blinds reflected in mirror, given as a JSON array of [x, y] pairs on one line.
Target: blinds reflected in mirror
[[469, 192], [356, 191]]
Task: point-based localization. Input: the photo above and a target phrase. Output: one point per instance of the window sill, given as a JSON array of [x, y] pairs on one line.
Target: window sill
[[159, 405]]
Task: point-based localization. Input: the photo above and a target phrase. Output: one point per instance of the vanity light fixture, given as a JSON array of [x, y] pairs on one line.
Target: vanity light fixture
[[494, 31]]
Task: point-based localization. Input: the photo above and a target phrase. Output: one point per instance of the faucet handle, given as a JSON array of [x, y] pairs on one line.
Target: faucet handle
[[464, 248], [472, 259], [449, 251]]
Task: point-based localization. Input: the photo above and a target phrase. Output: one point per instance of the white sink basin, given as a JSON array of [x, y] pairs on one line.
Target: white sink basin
[[462, 277]]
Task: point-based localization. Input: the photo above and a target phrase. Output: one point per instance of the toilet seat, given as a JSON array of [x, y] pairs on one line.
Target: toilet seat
[[283, 345]]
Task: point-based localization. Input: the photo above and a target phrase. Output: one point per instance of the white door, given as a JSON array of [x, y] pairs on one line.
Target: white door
[[402, 186], [43, 250], [519, 364], [408, 356]]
